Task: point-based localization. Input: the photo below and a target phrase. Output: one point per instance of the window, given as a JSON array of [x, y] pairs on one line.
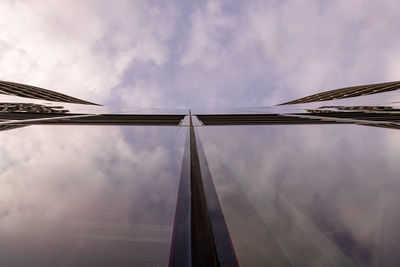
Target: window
[[305, 184]]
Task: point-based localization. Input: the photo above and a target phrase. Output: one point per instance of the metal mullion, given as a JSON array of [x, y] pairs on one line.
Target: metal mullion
[[203, 245], [200, 236], [223, 244], [39, 93], [180, 254], [341, 93], [12, 91]]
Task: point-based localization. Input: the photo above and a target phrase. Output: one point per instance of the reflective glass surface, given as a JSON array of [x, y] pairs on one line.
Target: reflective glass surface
[[314, 195], [88, 195], [85, 109]]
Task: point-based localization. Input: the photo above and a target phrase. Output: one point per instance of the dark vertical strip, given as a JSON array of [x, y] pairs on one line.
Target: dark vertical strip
[[200, 236], [181, 238], [203, 246], [223, 244]]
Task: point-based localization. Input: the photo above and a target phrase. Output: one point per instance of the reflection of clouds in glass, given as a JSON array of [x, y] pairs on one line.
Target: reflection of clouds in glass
[[342, 178], [51, 176]]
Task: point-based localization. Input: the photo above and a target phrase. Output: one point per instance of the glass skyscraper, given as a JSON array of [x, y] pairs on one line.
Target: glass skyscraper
[[310, 182]]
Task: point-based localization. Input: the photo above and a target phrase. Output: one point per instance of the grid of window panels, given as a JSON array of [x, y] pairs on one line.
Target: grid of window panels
[[199, 188], [347, 92], [28, 91]]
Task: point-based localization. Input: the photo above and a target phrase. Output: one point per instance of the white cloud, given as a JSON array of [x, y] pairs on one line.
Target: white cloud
[[145, 54], [251, 53], [81, 48], [83, 169], [301, 48], [209, 26]]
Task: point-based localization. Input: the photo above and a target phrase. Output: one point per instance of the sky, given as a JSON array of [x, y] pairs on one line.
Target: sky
[[196, 54], [190, 54]]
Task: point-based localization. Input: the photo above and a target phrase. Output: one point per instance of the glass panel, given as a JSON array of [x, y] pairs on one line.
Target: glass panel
[[62, 107], [308, 195], [387, 99], [88, 196]]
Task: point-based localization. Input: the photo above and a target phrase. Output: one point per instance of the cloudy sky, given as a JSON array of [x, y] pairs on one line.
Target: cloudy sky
[[195, 54], [198, 53]]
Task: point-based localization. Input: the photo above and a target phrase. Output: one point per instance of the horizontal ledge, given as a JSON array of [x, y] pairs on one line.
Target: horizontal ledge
[[277, 119], [92, 119]]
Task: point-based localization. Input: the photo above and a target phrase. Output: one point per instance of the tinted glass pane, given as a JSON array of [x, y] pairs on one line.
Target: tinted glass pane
[[88, 196], [308, 195]]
